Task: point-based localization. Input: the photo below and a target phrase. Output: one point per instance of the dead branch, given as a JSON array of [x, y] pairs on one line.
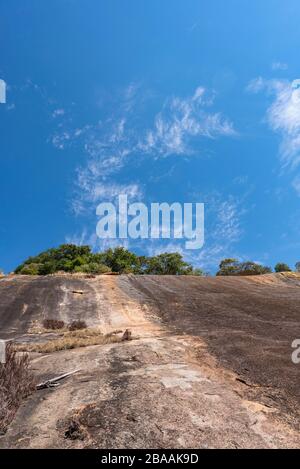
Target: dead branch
[[53, 382]]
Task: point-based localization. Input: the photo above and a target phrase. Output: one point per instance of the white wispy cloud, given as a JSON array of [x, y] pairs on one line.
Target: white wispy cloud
[[174, 128], [227, 227], [10, 107], [59, 140], [223, 230], [181, 120], [296, 184], [256, 84], [100, 191], [107, 148], [279, 66], [123, 140], [58, 112], [155, 247], [283, 115], [79, 239], [88, 238], [118, 141], [64, 136]]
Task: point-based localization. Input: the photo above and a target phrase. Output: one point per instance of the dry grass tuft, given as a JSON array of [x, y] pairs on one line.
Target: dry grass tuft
[[72, 339], [16, 383], [74, 430], [76, 325], [84, 333], [38, 328], [53, 324]]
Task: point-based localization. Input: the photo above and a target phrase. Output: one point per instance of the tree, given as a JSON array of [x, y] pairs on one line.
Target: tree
[[228, 267], [170, 264], [282, 267], [234, 267], [297, 265], [252, 268], [71, 258], [121, 260], [46, 268]]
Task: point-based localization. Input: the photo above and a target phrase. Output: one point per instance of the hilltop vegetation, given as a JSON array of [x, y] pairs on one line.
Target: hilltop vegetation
[[234, 267], [71, 258], [282, 267], [75, 259]]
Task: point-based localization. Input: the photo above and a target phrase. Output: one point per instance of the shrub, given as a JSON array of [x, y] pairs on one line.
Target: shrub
[[282, 267], [98, 268], [252, 268], [92, 268], [76, 325], [53, 324], [16, 383], [234, 267], [169, 264], [47, 268], [228, 266], [31, 269]]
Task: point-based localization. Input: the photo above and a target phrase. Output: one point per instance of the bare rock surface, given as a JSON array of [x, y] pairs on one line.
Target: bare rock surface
[[202, 369]]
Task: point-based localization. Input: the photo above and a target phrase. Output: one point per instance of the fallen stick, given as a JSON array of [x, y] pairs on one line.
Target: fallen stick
[[51, 383]]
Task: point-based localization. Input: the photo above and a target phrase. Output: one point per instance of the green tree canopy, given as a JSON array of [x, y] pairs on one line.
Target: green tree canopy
[[169, 264], [282, 267], [234, 267], [71, 258]]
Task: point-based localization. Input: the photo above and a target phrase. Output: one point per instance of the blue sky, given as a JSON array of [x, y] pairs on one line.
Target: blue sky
[[168, 100]]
